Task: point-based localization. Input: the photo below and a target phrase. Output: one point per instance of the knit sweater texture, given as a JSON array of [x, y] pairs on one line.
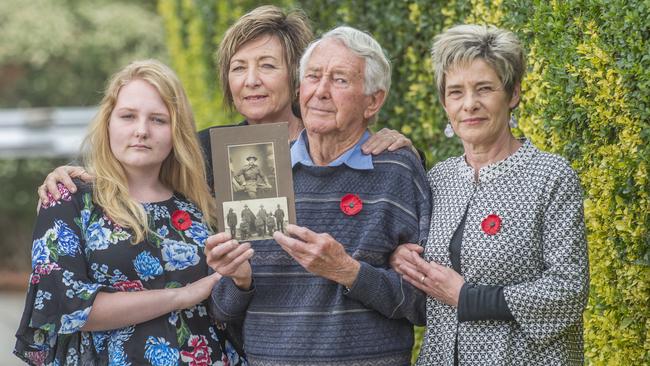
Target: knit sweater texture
[[292, 317]]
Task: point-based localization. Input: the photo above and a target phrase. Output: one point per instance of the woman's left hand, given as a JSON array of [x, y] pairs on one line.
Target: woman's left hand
[[385, 139], [440, 282]]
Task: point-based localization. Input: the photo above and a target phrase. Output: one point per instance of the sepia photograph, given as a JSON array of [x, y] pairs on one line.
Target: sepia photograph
[[253, 182], [252, 171], [255, 219]]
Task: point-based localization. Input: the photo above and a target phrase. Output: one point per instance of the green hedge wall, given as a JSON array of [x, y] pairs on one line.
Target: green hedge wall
[[586, 97]]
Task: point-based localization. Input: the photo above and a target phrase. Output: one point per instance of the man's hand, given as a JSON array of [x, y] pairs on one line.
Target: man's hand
[[229, 258], [319, 254], [195, 292]]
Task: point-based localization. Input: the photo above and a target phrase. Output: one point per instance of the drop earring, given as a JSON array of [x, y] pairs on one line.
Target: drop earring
[[449, 131], [513, 122]]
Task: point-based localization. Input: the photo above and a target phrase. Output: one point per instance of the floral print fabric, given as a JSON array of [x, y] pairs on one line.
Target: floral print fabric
[[77, 252]]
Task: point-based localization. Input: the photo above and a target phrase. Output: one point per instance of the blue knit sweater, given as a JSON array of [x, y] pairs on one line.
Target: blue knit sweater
[[292, 317]]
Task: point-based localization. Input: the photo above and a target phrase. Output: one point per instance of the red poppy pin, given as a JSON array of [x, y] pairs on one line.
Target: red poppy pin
[[181, 220], [491, 224], [351, 204]]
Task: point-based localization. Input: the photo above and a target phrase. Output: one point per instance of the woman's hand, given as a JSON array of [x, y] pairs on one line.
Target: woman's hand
[[64, 175], [402, 254], [440, 282], [120, 309], [196, 291], [386, 139], [229, 258]]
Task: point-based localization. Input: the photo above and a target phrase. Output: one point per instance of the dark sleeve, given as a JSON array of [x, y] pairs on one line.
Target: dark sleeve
[[204, 138], [228, 302], [385, 291], [377, 285], [482, 302], [423, 158], [206, 146]]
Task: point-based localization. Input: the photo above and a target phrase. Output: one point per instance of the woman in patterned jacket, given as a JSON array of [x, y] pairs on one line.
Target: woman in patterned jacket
[[118, 271], [505, 265]]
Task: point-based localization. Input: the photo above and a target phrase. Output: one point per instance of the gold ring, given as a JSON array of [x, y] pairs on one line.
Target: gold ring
[[422, 279]]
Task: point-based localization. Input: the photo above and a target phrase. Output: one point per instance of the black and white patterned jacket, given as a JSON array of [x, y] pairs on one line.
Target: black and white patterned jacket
[[539, 255]]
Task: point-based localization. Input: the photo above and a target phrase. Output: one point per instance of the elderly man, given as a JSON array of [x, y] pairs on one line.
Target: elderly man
[[326, 295]]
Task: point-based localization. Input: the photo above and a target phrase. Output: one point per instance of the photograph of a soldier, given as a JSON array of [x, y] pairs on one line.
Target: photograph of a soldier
[[255, 219], [252, 171]]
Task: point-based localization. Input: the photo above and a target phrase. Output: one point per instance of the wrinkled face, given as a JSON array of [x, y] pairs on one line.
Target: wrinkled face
[[139, 129], [259, 81], [476, 103], [332, 99]]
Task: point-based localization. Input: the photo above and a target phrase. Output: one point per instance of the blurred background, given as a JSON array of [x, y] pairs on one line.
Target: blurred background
[[55, 56], [586, 97]]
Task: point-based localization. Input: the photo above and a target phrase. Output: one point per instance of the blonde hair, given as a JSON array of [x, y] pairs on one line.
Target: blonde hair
[[292, 30], [462, 44], [182, 171]]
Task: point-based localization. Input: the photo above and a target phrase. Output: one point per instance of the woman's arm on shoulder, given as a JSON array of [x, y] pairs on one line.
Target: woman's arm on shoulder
[[389, 140], [61, 175]]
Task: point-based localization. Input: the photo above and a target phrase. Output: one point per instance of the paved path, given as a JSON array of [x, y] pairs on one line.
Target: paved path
[[11, 308]]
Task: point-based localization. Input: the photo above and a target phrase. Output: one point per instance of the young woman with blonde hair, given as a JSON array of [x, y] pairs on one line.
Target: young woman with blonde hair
[[118, 270]]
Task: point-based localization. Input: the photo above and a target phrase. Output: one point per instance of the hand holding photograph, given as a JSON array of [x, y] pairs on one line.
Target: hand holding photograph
[[253, 183]]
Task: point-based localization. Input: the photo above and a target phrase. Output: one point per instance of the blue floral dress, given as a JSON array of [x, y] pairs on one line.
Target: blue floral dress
[[77, 252]]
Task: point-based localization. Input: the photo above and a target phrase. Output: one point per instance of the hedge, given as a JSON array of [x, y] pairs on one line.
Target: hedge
[[586, 97]]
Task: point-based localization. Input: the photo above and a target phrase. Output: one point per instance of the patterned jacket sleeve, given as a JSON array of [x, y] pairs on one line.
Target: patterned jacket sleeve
[[555, 301], [378, 286]]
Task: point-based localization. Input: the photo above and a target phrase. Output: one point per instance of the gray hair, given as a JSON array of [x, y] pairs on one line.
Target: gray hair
[[462, 44], [377, 67]]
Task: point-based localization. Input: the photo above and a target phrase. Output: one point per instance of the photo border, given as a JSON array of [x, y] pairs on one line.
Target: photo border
[[231, 146]]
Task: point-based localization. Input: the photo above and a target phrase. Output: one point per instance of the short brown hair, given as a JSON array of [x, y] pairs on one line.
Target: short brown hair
[[292, 29]]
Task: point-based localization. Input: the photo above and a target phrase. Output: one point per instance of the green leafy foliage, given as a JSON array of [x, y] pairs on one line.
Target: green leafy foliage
[[60, 53], [587, 99], [19, 179]]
